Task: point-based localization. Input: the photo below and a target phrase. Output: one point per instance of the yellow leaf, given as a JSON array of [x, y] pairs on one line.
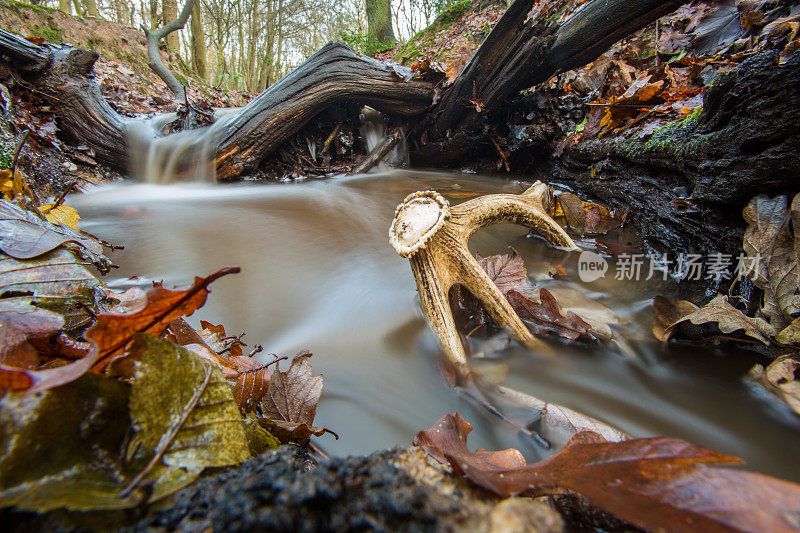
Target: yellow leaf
[[790, 334], [63, 213]]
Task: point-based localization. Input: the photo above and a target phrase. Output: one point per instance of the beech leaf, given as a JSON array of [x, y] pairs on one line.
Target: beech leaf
[[167, 376], [23, 235], [56, 281], [659, 484]]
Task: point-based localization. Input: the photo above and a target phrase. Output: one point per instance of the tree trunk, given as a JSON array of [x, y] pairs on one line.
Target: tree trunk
[[379, 22], [198, 41], [170, 13], [91, 8]]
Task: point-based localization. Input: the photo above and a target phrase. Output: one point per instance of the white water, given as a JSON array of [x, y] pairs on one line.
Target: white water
[[183, 156]]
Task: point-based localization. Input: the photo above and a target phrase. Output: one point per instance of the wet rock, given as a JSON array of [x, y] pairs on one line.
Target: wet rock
[[395, 490]]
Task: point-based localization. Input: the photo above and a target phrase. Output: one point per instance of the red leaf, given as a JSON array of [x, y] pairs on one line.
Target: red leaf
[[569, 326], [660, 484], [113, 332]]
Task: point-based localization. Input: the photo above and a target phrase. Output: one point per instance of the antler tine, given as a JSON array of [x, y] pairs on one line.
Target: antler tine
[[433, 236]]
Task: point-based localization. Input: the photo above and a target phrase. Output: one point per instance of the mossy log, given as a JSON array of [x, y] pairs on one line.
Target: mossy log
[[686, 185]]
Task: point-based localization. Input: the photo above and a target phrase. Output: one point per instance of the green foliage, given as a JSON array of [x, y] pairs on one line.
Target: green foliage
[[5, 160], [365, 44]]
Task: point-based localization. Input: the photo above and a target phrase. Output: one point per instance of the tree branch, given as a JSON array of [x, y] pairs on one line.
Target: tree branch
[[154, 56]]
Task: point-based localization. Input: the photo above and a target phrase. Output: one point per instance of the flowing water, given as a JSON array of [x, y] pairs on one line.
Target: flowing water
[[318, 274]]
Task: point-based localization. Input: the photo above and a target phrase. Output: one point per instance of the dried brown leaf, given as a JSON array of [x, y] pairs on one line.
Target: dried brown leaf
[[782, 378], [728, 319], [768, 242], [113, 332], [547, 313], [657, 484], [669, 313], [23, 235], [290, 404]]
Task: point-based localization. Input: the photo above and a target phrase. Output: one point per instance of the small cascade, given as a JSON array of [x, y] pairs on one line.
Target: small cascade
[[186, 156], [374, 126]]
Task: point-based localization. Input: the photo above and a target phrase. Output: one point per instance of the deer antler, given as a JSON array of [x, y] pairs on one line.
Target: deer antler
[[433, 236]]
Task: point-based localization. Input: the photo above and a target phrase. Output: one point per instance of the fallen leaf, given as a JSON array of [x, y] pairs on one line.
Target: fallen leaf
[[63, 214], [20, 323], [768, 243], [547, 313], [290, 404], [668, 314], [190, 435], [584, 217], [113, 332], [657, 483], [728, 319], [56, 280], [507, 272], [781, 379], [60, 448], [24, 236]]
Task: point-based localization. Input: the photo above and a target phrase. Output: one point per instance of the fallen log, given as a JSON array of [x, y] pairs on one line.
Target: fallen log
[[335, 74], [527, 47], [517, 54], [686, 185]]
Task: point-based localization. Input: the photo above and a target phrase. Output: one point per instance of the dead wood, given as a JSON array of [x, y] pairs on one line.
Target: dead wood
[[378, 153]]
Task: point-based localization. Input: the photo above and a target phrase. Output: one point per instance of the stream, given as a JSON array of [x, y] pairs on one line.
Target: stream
[[318, 274]]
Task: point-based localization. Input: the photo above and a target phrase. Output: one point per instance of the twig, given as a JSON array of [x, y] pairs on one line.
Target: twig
[[17, 151], [63, 195], [378, 153], [500, 151], [496, 412], [262, 367], [257, 348], [658, 38], [330, 138], [168, 437]]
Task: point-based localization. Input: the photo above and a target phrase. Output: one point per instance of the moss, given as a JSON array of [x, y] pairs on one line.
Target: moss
[[413, 48], [17, 7], [51, 34]]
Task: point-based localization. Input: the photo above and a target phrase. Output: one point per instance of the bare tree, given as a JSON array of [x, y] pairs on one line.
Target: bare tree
[[154, 56]]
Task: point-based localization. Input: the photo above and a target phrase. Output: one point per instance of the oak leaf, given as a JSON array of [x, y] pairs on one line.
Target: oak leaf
[[781, 378], [290, 404], [655, 483], [728, 319], [768, 243], [547, 317]]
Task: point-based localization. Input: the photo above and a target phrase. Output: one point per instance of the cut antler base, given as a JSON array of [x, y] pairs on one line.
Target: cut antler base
[[433, 236]]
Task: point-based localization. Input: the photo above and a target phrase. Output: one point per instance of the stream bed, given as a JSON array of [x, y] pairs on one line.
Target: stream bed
[[318, 274]]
